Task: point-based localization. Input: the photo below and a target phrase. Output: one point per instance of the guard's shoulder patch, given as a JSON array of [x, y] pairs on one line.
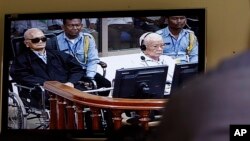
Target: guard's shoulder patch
[[88, 35], [159, 32]]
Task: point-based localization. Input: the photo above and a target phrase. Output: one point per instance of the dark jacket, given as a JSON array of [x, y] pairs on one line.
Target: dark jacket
[[28, 69]]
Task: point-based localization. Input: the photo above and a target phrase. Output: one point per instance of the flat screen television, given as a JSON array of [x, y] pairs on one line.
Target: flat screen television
[[139, 83], [107, 42]]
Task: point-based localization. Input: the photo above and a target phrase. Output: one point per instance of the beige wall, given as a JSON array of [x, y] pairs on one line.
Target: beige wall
[[227, 20]]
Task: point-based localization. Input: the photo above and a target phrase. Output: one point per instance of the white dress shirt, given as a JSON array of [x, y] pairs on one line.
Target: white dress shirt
[[163, 60]]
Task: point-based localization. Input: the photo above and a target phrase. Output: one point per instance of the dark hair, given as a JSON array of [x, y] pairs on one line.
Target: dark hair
[[64, 20], [168, 16]]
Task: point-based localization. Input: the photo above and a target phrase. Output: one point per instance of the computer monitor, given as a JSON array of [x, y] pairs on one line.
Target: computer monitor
[[141, 82], [182, 74]]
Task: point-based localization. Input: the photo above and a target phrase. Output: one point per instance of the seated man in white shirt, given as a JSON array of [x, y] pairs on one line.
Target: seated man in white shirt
[[152, 45]]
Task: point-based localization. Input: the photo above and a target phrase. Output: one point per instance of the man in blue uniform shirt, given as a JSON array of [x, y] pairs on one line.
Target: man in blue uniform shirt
[[181, 44], [82, 46]]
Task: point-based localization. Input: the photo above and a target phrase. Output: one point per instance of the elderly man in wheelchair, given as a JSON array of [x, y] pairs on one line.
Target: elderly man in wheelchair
[[36, 65]]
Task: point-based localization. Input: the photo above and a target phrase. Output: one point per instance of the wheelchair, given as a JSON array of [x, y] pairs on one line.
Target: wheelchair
[[23, 112], [17, 118]]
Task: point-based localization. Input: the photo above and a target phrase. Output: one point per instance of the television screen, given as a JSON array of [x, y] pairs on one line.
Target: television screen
[[115, 33], [182, 74], [144, 82]]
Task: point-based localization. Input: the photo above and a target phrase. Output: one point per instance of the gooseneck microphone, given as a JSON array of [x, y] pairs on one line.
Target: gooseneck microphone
[[144, 59]]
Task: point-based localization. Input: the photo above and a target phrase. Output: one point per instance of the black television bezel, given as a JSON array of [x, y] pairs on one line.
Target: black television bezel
[[200, 12]]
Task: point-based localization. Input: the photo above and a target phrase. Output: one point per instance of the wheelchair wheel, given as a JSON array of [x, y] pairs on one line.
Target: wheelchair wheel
[[16, 112]]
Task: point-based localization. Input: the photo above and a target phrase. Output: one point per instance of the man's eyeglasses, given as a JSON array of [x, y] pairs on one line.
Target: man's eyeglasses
[[71, 26], [37, 40]]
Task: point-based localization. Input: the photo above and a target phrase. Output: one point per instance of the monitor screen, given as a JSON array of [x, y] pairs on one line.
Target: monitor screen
[[112, 37], [145, 82], [182, 74]]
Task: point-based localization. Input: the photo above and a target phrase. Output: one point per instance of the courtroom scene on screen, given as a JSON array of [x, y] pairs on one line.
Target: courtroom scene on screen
[[99, 72]]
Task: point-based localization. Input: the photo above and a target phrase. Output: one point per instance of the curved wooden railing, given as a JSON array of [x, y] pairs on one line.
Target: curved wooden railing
[[65, 100]]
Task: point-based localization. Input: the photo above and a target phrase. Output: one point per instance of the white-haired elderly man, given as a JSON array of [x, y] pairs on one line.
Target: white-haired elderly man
[[152, 45]]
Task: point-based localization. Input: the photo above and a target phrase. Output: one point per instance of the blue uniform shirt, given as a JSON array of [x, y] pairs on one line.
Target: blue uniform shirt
[[177, 48], [77, 50]]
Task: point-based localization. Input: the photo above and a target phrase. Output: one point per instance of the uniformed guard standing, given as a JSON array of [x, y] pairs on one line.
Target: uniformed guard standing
[[181, 44]]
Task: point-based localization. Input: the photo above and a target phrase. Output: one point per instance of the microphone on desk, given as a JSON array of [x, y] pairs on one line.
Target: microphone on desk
[[144, 59]]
